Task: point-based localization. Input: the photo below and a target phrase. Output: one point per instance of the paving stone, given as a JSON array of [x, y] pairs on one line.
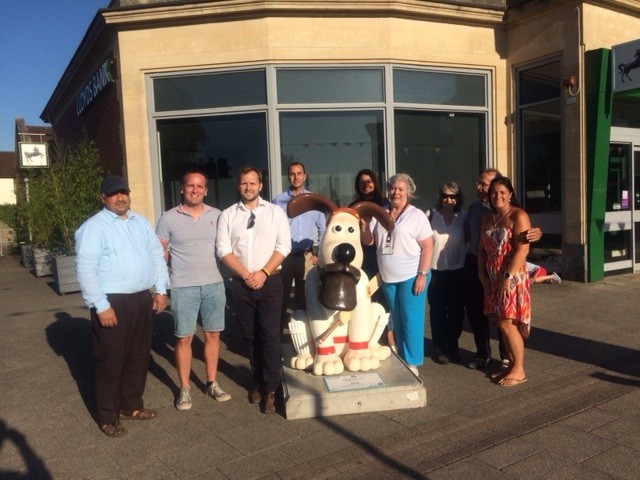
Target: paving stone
[[550, 466], [620, 462], [508, 453], [623, 431], [587, 420]]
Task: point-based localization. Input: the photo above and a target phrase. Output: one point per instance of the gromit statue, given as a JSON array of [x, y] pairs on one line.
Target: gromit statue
[[341, 326]]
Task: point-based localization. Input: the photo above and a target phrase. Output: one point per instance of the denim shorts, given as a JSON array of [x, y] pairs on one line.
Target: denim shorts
[[186, 302]]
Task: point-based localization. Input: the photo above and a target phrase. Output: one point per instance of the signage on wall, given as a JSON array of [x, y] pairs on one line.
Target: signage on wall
[[625, 66], [33, 155], [98, 81]]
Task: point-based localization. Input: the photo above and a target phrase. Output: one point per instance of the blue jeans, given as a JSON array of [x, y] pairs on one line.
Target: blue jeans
[[208, 300], [407, 312]]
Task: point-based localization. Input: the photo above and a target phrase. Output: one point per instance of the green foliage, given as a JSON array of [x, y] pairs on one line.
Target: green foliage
[[63, 196], [8, 215]]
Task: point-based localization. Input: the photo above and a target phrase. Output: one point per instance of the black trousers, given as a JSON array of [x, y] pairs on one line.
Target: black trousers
[[474, 305], [446, 309], [258, 314], [292, 269], [121, 355]]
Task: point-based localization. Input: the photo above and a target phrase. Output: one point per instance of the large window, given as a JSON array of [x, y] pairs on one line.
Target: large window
[[430, 123], [333, 146], [218, 145], [439, 147], [210, 91], [539, 94]]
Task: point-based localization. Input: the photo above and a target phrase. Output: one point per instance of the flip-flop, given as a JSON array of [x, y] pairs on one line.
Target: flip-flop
[[512, 382], [142, 414]]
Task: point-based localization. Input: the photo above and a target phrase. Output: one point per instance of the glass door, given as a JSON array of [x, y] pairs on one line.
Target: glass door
[[622, 217]]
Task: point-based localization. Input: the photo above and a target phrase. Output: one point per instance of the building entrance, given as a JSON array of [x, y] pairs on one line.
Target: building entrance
[[622, 217]]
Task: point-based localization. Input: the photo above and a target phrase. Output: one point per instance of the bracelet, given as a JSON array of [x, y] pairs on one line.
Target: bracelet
[[265, 271]]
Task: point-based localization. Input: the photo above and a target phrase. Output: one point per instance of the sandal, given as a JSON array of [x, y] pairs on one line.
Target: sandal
[[142, 414], [113, 430]]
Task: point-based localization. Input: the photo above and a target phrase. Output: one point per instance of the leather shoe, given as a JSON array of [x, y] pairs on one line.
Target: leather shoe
[[270, 402], [255, 395], [113, 430], [442, 359]]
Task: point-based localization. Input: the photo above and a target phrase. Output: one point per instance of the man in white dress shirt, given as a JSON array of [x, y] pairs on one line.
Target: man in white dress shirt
[[253, 239]]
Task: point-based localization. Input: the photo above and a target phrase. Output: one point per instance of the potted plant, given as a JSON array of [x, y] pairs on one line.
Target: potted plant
[[60, 198]]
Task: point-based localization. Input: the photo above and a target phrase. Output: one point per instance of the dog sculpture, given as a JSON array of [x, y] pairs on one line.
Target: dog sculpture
[[625, 68], [341, 326]]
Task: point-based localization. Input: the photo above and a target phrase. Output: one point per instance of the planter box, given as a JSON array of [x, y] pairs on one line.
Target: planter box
[[26, 255], [65, 274], [42, 262]]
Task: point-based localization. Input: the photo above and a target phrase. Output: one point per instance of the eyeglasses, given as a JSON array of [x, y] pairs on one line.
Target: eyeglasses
[[451, 196], [252, 221]]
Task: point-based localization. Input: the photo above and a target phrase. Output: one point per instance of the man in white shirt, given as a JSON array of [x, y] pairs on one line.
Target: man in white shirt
[[253, 239]]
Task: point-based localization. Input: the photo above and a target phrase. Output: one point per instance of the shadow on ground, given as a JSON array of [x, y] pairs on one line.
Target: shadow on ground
[[35, 466], [71, 338]]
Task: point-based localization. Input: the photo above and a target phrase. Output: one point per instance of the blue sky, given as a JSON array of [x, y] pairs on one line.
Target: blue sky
[[37, 40]]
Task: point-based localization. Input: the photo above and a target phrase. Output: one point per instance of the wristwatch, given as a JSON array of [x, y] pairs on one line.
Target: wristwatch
[[424, 273]]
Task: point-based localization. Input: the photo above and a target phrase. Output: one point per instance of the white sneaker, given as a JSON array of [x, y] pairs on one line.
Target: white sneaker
[[184, 399], [414, 370], [216, 392]]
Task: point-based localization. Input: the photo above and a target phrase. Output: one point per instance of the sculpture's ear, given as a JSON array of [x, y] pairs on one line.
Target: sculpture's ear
[[306, 202], [367, 210]]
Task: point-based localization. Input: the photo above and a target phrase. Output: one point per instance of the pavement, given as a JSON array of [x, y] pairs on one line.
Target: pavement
[[577, 416]]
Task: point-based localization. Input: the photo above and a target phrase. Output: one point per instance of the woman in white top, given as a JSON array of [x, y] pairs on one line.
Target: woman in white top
[[445, 292], [404, 260]]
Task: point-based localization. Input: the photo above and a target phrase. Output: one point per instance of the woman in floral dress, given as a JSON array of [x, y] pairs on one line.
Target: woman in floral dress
[[501, 269]]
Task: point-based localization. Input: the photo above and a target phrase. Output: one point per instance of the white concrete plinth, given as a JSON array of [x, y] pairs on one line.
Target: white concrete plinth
[[306, 395]]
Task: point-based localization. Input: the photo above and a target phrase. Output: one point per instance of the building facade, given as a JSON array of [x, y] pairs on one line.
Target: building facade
[[437, 89]]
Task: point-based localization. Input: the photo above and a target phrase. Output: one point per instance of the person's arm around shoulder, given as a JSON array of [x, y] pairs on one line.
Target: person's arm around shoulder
[[482, 254]]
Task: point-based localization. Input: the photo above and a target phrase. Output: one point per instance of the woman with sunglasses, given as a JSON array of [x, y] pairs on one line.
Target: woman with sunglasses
[[445, 293]]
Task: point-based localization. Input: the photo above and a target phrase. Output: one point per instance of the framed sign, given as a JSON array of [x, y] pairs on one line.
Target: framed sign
[[33, 155], [625, 62]]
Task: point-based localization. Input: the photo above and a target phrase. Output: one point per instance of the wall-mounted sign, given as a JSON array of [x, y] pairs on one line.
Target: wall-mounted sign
[[33, 155], [625, 66], [98, 81]]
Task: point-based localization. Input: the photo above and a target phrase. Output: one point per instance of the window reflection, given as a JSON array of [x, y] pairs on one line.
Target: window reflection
[[542, 166], [333, 146], [220, 146], [438, 147], [618, 177]]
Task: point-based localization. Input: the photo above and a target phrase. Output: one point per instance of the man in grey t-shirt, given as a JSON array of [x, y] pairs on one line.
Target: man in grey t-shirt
[[188, 235]]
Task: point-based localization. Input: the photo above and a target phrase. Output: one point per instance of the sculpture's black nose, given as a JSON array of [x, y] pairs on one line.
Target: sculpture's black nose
[[345, 253]]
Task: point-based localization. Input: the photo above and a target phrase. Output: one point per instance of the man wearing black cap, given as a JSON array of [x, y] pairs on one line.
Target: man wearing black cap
[[119, 258]]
